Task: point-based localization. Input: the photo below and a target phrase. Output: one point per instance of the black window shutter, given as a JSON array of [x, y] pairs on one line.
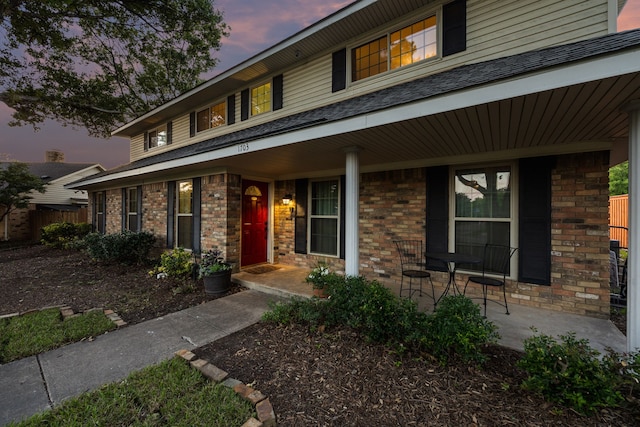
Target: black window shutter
[[535, 220], [454, 27], [124, 209], [139, 207], [437, 223], [197, 217], [244, 104], [192, 124], [171, 200], [277, 88], [343, 183], [169, 132], [231, 109], [302, 187], [146, 141], [339, 70]]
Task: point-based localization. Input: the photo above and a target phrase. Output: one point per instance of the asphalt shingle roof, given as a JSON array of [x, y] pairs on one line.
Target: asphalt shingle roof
[[456, 79]]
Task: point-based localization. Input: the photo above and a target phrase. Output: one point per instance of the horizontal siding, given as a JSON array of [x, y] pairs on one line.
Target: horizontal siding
[[495, 28]]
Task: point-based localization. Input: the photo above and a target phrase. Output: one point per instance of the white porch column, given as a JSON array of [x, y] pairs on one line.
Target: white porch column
[[633, 283], [352, 197]]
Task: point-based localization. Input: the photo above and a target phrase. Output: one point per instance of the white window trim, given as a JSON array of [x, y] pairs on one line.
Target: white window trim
[[514, 220], [157, 131], [310, 216], [131, 213], [267, 82], [178, 214]]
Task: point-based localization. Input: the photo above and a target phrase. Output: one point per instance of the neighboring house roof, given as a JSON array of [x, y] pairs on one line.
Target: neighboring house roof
[[457, 79], [51, 171]]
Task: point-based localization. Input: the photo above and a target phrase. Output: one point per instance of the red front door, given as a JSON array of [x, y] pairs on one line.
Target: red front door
[[255, 205]]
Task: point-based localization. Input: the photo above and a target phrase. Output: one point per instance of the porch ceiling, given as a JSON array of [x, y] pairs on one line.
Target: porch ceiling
[[577, 118]]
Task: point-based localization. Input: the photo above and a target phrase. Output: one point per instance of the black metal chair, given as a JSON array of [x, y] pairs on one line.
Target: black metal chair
[[413, 265], [495, 267]]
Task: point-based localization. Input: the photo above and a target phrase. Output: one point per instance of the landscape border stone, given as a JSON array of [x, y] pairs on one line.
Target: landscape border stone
[[264, 409]]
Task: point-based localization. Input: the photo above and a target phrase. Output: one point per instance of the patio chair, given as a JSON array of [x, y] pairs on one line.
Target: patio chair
[[413, 265], [495, 267]]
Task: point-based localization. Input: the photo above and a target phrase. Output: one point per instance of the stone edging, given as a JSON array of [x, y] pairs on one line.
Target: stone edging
[[67, 312], [266, 415]]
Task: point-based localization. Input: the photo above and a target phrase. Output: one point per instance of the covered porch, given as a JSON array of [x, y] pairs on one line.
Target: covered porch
[[289, 281]]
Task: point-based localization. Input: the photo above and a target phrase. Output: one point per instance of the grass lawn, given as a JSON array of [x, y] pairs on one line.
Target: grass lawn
[[33, 333], [171, 393]]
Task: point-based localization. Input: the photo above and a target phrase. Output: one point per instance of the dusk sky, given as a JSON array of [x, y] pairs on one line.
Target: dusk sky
[[250, 32]]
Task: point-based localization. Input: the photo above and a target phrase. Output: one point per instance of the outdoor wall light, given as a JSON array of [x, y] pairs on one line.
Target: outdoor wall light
[[286, 200]]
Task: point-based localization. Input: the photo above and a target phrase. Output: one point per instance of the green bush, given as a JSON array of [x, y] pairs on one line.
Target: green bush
[[64, 234], [380, 316], [457, 329], [569, 373], [177, 263], [125, 247]]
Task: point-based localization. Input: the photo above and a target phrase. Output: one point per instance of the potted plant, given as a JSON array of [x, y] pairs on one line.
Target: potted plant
[[321, 279], [215, 272]]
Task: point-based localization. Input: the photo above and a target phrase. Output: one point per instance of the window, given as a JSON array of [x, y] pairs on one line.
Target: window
[[483, 208], [406, 46], [324, 217], [132, 209], [211, 117], [158, 137], [99, 220], [184, 214], [261, 99]]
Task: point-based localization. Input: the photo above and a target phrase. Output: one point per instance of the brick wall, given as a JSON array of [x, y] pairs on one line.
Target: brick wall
[[113, 211], [221, 215], [154, 211]]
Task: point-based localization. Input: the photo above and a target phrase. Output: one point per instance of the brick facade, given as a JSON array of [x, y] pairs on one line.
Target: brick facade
[[393, 207]]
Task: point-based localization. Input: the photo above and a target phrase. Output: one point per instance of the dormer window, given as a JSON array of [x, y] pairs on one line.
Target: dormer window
[[211, 117], [408, 45]]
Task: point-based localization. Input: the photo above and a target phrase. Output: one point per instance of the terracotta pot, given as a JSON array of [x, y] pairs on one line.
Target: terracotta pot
[[217, 283]]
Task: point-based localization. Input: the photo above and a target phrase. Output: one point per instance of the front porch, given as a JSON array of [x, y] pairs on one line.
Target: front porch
[[513, 329]]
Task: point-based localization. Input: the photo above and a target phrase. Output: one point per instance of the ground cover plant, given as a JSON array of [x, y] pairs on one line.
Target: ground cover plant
[[33, 333], [333, 378], [169, 394]]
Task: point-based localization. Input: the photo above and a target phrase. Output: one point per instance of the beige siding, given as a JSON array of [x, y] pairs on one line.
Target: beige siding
[[56, 194], [495, 28]]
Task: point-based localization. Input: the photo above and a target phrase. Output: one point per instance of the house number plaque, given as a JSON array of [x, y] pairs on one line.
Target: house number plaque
[[242, 148]]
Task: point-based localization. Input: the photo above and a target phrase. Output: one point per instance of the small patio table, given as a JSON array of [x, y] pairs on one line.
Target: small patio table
[[452, 260]]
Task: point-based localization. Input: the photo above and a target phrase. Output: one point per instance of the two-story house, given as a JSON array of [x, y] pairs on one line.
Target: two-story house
[[454, 122]]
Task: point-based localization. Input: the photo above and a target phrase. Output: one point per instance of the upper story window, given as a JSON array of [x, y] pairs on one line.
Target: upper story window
[[261, 99], [211, 117], [413, 43], [158, 137]]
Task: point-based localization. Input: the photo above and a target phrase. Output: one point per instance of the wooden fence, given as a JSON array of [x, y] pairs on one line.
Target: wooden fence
[[619, 217], [38, 219]]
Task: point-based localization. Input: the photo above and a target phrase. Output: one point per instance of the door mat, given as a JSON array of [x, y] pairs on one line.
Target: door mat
[[262, 269]]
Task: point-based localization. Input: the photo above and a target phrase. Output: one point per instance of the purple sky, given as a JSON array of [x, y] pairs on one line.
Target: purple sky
[[251, 33]]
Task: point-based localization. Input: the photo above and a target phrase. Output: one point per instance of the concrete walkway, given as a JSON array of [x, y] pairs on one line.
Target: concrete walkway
[[37, 383]]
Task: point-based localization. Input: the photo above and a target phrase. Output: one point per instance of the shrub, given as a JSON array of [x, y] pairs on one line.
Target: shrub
[[125, 247], [380, 316], [569, 373], [176, 263], [456, 329], [64, 234]]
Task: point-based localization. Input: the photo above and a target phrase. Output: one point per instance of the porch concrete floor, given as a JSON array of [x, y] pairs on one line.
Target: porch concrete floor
[[513, 328]]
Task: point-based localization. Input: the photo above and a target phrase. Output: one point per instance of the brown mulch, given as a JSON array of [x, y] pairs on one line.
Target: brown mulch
[[35, 277], [320, 379]]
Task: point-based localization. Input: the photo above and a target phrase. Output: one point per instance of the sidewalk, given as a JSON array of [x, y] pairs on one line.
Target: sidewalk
[[37, 383]]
